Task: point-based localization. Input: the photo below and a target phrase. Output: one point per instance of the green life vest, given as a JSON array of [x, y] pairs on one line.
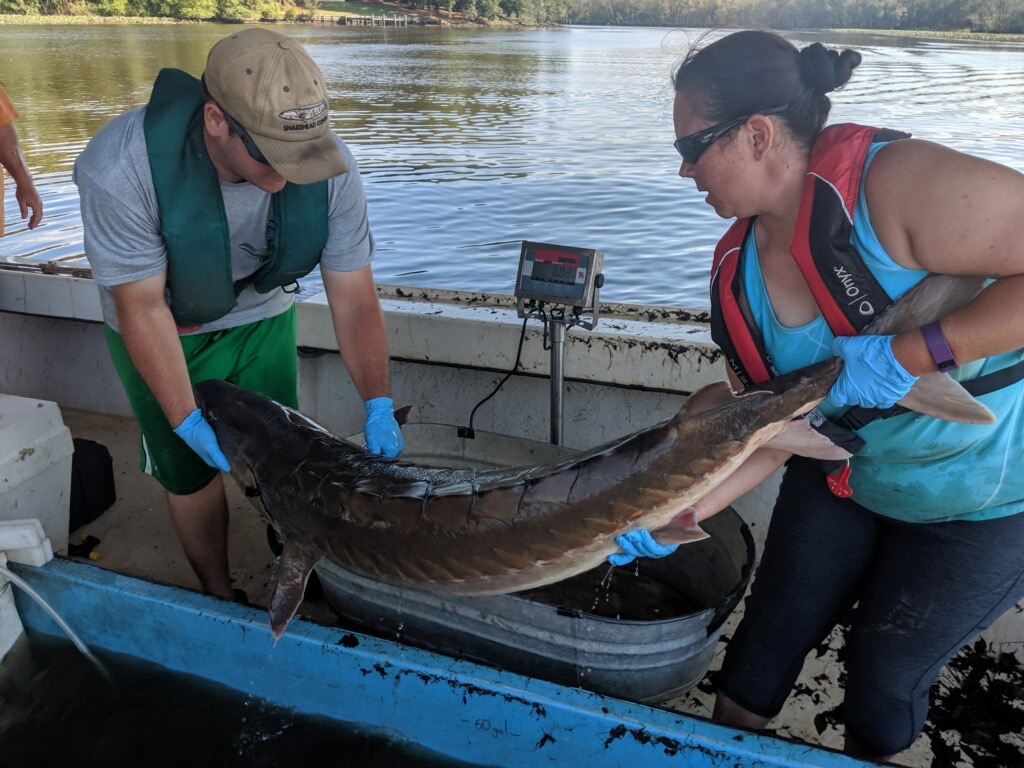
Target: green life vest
[[194, 224]]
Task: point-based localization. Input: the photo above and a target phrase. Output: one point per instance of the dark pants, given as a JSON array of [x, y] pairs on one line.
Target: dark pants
[[922, 592]]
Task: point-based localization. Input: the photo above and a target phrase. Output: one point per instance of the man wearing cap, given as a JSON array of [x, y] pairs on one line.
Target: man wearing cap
[[201, 210]]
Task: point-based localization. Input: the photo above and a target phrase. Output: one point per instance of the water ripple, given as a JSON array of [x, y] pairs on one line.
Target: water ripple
[[470, 141]]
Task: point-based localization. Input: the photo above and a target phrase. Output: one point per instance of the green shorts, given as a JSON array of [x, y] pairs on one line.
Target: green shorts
[[259, 356]]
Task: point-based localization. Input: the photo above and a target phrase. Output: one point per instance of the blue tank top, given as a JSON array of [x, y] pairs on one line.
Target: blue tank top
[[913, 468]]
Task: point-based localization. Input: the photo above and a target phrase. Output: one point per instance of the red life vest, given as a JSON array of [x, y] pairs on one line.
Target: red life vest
[[847, 293]]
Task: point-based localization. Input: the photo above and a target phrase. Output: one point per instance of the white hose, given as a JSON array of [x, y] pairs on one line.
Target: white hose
[[21, 583]]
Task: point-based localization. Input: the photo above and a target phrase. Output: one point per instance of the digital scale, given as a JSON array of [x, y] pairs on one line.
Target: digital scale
[[559, 283], [561, 275]]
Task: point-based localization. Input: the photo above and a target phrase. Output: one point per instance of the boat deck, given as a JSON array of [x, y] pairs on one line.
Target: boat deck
[[135, 537]]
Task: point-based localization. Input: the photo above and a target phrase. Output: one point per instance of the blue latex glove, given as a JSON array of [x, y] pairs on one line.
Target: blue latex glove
[[871, 375], [639, 543], [198, 433], [381, 431]]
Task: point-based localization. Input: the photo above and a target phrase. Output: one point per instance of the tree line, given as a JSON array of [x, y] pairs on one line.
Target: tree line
[[1003, 16], [1000, 16]]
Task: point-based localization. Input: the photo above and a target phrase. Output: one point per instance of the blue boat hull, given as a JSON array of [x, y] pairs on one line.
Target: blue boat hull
[[472, 713]]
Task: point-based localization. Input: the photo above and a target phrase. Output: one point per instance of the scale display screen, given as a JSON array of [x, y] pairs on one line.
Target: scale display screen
[[550, 265], [558, 274]]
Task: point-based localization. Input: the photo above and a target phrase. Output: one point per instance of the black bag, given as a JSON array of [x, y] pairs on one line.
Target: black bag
[[92, 482]]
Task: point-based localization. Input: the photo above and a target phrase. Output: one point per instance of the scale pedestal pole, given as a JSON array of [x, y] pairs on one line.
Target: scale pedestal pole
[[557, 331], [569, 278]]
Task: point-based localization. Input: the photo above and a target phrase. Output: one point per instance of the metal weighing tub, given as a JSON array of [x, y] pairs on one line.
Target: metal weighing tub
[[648, 636]]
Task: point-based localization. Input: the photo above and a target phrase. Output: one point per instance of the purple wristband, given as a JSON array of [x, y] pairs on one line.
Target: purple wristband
[[939, 347]]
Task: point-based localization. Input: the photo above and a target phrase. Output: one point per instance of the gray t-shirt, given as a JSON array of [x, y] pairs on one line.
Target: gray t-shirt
[[123, 240]]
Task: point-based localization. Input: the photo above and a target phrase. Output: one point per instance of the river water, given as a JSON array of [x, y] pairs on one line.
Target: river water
[[470, 141]]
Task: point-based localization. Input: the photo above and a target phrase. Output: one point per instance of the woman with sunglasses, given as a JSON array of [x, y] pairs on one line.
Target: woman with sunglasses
[[832, 224]]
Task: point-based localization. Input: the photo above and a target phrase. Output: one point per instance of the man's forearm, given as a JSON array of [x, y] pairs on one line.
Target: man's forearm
[[363, 343], [359, 328], [151, 338]]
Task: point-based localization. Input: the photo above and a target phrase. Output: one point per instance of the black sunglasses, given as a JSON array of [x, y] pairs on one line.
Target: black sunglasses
[[250, 145], [692, 147]]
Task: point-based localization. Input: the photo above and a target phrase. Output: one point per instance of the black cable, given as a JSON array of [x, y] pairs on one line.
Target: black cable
[[468, 431]]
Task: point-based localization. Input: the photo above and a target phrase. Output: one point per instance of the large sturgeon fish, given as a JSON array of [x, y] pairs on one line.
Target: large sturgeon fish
[[472, 532]]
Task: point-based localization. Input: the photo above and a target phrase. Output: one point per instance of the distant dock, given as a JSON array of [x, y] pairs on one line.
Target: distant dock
[[358, 21], [374, 21]]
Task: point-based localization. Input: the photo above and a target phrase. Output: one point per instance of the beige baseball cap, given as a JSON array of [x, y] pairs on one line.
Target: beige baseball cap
[[267, 82]]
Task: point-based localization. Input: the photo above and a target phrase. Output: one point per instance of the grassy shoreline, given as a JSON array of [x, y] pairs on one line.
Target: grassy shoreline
[[958, 34], [27, 19], [39, 19]]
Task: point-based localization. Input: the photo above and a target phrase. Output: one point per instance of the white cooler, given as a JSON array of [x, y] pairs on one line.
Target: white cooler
[[35, 466]]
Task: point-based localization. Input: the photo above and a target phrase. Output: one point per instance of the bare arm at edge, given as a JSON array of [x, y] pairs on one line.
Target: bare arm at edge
[[13, 160]]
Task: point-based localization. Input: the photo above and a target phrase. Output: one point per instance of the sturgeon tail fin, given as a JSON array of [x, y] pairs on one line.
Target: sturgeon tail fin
[[941, 396]]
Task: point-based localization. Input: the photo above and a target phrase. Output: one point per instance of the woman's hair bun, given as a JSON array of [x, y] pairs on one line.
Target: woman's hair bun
[[825, 70]]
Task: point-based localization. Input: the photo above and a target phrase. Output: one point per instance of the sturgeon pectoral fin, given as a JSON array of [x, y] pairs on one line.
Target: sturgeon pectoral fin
[[681, 529], [709, 397], [801, 438], [402, 414], [293, 569]]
